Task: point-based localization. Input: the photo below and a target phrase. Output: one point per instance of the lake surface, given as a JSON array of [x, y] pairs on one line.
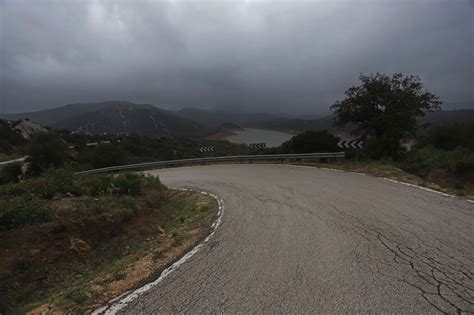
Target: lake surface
[[272, 138]]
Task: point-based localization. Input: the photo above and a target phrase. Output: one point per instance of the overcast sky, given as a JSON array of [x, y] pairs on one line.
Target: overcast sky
[[278, 56]]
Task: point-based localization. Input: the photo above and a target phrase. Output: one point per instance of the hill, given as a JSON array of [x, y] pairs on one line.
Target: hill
[[115, 117]]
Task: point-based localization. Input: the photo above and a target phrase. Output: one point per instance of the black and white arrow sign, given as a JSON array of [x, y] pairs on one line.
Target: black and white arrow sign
[[206, 149], [350, 144], [257, 146]]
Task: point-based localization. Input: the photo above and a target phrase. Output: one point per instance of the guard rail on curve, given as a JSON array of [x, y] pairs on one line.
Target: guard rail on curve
[[241, 158]]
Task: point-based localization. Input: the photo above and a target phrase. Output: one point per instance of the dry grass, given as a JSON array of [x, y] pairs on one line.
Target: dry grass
[[79, 264], [444, 183]]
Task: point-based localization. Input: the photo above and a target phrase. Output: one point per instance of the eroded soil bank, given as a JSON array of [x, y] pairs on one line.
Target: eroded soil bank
[[103, 247]]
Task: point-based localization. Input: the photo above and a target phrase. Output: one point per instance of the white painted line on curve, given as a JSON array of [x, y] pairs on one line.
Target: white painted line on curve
[[123, 300]]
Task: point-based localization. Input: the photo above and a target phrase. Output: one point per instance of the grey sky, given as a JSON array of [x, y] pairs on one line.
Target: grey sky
[[283, 56]]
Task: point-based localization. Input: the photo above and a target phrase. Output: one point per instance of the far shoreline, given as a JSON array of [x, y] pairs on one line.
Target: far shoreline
[[224, 133]]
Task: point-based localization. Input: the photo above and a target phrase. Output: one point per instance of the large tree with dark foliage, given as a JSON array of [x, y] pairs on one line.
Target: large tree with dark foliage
[[384, 110]]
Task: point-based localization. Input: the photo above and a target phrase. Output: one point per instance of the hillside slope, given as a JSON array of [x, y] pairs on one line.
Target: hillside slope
[[115, 117]]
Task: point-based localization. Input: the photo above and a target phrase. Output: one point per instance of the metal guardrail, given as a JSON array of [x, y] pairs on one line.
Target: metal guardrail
[[240, 158]]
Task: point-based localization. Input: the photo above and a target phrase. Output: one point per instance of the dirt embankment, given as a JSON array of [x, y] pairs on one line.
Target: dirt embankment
[[79, 263]]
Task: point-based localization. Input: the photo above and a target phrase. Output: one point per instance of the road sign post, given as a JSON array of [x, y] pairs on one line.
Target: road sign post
[[352, 144], [205, 150], [257, 146]]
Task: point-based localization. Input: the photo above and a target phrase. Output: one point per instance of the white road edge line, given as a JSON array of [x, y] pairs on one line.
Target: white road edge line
[[387, 179], [118, 303], [425, 188]]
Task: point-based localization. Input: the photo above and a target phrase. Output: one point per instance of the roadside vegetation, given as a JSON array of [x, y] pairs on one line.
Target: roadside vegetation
[[55, 148], [70, 243], [384, 112]]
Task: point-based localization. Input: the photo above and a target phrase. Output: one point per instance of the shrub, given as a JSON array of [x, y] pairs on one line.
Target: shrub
[[421, 161], [46, 150], [53, 182], [107, 155], [10, 173], [377, 148], [56, 181], [128, 183], [152, 182], [311, 141], [449, 136], [21, 210], [95, 185]]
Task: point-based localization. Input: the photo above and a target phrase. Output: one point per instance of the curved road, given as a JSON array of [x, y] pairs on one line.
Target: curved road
[[308, 240]]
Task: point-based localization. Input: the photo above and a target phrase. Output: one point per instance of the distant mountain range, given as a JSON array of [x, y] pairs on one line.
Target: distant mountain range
[[125, 117], [115, 117]]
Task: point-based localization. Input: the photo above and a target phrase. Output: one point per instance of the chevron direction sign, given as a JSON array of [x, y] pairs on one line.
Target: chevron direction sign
[[257, 146], [350, 144], [206, 149]]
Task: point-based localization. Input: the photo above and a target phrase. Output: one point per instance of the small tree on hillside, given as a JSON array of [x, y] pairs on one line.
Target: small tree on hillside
[[385, 109], [47, 149]]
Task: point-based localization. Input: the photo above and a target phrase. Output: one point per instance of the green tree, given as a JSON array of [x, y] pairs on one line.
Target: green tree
[[47, 149], [105, 155], [10, 172], [449, 136], [311, 141], [385, 109], [9, 138]]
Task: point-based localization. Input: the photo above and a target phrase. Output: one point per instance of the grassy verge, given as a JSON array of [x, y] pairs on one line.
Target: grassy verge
[[73, 243], [440, 180]]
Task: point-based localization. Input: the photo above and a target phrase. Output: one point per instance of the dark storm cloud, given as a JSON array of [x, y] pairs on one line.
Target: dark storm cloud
[[294, 57]]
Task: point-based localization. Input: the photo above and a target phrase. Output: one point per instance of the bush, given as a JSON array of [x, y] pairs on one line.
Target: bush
[[107, 155], [9, 138], [421, 161], [21, 210], [57, 182], [10, 172], [152, 182], [53, 182], [46, 150], [20, 203], [379, 148], [95, 185], [128, 183], [311, 141], [449, 136]]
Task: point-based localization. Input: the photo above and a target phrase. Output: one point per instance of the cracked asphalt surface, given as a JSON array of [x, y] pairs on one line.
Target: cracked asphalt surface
[[308, 240]]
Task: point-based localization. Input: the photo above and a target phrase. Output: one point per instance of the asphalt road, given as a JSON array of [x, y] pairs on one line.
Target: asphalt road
[[307, 240]]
